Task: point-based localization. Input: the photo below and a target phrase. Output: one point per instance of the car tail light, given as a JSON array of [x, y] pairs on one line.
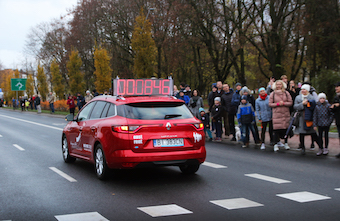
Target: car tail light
[[199, 126], [125, 129]]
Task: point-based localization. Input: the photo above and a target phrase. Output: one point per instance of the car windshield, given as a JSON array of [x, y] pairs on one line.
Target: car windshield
[[155, 111]]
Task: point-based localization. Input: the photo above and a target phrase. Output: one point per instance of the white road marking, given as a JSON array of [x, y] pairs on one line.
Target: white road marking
[[19, 148], [213, 165], [237, 203], [164, 210], [267, 178], [61, 173], [0, 135], [31, 122], [91, 216], [303, 197], [338, 189]]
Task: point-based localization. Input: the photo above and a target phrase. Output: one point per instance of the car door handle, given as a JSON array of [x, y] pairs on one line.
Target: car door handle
[[80, 128], [93, 128]]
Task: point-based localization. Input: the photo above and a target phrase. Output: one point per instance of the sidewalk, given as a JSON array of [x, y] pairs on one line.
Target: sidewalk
[[333, 146], [34, 113]]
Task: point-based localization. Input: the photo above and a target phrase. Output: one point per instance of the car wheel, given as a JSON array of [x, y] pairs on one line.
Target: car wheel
[[189, 168], [66, 153], [101, 168]]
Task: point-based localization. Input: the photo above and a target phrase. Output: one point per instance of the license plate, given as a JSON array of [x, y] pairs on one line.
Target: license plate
[[175, 142]]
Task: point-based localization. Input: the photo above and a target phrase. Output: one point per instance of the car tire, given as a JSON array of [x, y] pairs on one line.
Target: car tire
[[100, 165], [66, 154], [189, 168]]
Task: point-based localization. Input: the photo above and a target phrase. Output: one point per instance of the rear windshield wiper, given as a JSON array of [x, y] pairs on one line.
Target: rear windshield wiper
[[172, 116]]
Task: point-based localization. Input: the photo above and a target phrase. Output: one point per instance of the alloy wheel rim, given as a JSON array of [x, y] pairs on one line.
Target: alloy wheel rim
[[65, 148], [99, 162]]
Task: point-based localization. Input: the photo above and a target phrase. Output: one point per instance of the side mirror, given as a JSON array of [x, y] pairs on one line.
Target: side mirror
[[70, 117]]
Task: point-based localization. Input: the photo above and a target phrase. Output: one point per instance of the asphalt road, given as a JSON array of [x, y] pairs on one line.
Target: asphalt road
[[234, 184]]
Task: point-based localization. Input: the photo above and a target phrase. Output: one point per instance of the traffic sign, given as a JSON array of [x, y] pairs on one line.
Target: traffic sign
[[18, 84]]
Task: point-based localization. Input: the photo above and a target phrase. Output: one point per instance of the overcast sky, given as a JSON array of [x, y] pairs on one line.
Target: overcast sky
[[16, 19]]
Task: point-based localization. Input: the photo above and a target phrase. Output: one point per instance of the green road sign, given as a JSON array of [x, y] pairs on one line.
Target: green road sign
[[18, 84]]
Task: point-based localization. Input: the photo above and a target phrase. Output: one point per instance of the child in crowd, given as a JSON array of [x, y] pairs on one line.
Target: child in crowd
[[216, 117], [246, 118], [205, 120], [264, 114], [322, 118]]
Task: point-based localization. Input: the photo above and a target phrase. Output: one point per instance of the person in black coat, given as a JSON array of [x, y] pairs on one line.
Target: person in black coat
[[230, 111], [205, 118], [216, 117], [336, 109]]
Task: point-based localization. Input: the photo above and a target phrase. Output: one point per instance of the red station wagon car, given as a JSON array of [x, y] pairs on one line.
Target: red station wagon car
[[125, 132]]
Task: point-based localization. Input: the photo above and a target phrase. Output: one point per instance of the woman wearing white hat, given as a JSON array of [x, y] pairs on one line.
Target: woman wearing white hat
[[323, 118], [305, 104]]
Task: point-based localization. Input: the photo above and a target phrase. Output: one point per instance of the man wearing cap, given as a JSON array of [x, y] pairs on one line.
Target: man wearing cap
[[336, 109]]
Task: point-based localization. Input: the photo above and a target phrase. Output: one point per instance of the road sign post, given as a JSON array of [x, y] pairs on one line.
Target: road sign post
[[18, 84]]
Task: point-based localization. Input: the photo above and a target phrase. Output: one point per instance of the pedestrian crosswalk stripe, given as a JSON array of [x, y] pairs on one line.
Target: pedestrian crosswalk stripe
[[303, 197], [91, 216], [267, 178], [338, 189], [164, 210], [18, 147], [61, 173], [213, 165], [236, 203]]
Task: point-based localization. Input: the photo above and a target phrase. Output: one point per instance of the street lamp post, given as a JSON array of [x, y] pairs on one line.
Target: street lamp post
[[150, 9]]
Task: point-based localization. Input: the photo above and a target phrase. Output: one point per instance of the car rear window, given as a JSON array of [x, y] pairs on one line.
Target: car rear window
[[154, 111]]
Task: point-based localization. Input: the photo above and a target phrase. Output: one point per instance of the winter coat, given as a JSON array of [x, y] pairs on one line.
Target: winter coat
[[226, 101], [185, 98], [302, 109], [281, 115], [217, 113], [37, 101], [195, 105], [245, 113], [211, 97], [336, 110], [88, 97], [323, 116], [263, 111], [71, 103], [205, 120], [236, 99]]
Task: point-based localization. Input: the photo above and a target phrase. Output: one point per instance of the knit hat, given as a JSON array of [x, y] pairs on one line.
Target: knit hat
[[262, 89], [88, 91], [306, 87], [238, 84], [201, 109], [217, 99], [214, 85], [244, 97], [322, 95]]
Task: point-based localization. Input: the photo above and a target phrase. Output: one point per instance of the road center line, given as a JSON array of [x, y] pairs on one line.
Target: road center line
[[267, 178], [17, 146], [61, 173], [31, 122], [213, 165]]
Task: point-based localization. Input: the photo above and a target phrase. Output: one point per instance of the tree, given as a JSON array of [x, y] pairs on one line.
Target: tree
[[41, 82], [57, 83], [30, 86], [6, 85], [76, 77], [103, 70], [144, 48]]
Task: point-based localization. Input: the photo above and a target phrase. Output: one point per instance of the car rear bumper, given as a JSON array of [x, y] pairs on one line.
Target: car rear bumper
[[130, 159]]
